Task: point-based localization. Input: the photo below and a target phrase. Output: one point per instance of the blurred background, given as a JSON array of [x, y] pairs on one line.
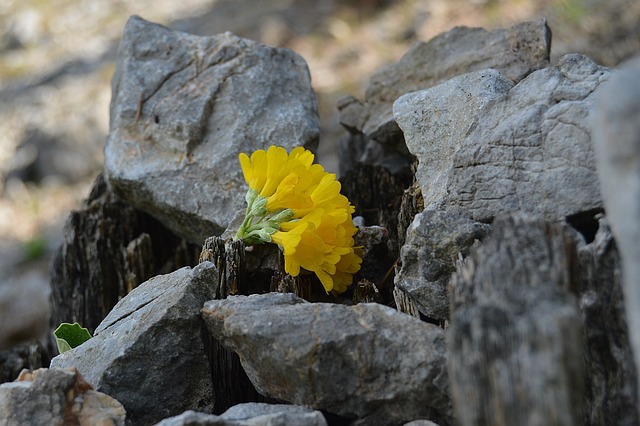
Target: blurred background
[[57, 59]]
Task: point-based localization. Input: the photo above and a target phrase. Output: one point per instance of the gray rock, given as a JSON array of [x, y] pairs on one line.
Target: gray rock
[[435, 241], [148, 352], [252, 414], [368, 361], [295, 414], [516, 52], [184, 107], [30, 356], [616, 127], [55, 397], [529, 150], [435, 120], [351, 113], [420, 423]]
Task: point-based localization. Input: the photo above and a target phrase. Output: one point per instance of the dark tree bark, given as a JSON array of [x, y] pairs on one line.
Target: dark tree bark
[[515, 338], [376, 194], [611, 377], [109, 248], [230, 383]]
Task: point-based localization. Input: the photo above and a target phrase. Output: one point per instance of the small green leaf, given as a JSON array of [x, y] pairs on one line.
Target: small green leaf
[[69, 336], [35, 248]]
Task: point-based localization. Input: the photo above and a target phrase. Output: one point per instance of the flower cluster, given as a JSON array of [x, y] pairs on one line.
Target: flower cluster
[[297, 205]]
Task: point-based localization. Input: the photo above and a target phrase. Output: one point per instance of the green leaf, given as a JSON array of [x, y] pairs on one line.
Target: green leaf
[[69, 336], [35, 248]]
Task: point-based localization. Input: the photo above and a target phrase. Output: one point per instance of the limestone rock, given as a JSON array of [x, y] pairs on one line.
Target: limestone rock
[[377, 139], [420, 423], [435, 240], [286, 414], [436, 120], [516, 52], [616, 127], [368, 361], [529, 150], [252, 414], [184, 107], [54, 397], [148, 352]]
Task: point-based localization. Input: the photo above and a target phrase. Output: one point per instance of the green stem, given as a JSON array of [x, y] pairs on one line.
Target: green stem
[[258, 223]]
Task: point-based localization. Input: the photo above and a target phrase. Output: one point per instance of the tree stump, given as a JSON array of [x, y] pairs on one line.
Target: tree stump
[[376, 194], [238, 274], [515, 339], [611, 377], [108, 249]]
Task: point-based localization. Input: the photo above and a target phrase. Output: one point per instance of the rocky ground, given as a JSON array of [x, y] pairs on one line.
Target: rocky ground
[[57, 60]]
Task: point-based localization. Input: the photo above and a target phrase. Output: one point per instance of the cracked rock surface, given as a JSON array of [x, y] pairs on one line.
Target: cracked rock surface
[[514, 51], [148, 352], [368, 361], [435, 240], [184, 107], [528, 150], [375, 133]]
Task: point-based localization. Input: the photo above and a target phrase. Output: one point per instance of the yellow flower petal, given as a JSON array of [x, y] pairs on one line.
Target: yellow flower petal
[[319, 235]]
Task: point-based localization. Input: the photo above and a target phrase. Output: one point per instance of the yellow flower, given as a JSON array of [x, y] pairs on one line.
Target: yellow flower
[[297, 205]]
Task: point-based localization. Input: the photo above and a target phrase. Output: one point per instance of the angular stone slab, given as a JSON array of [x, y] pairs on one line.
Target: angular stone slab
[[515, 51], [529, 150], [434, 242], [183, 108], [434, 122], [148, 352], [366, 361], [251, 414], [54, 397]]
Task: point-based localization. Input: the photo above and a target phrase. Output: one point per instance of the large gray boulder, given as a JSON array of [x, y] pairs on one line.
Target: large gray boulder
[[515, 51], [55, 397], [435, 121], [148, 352], [375, 135], [527, 150], [367, 361], [183, 108], [616, 126], [251, 414]]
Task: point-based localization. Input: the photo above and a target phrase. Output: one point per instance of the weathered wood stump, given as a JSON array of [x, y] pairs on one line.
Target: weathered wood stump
[[611, 377], [231, 385], [109, 248], [515, 340], [376, 194]]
